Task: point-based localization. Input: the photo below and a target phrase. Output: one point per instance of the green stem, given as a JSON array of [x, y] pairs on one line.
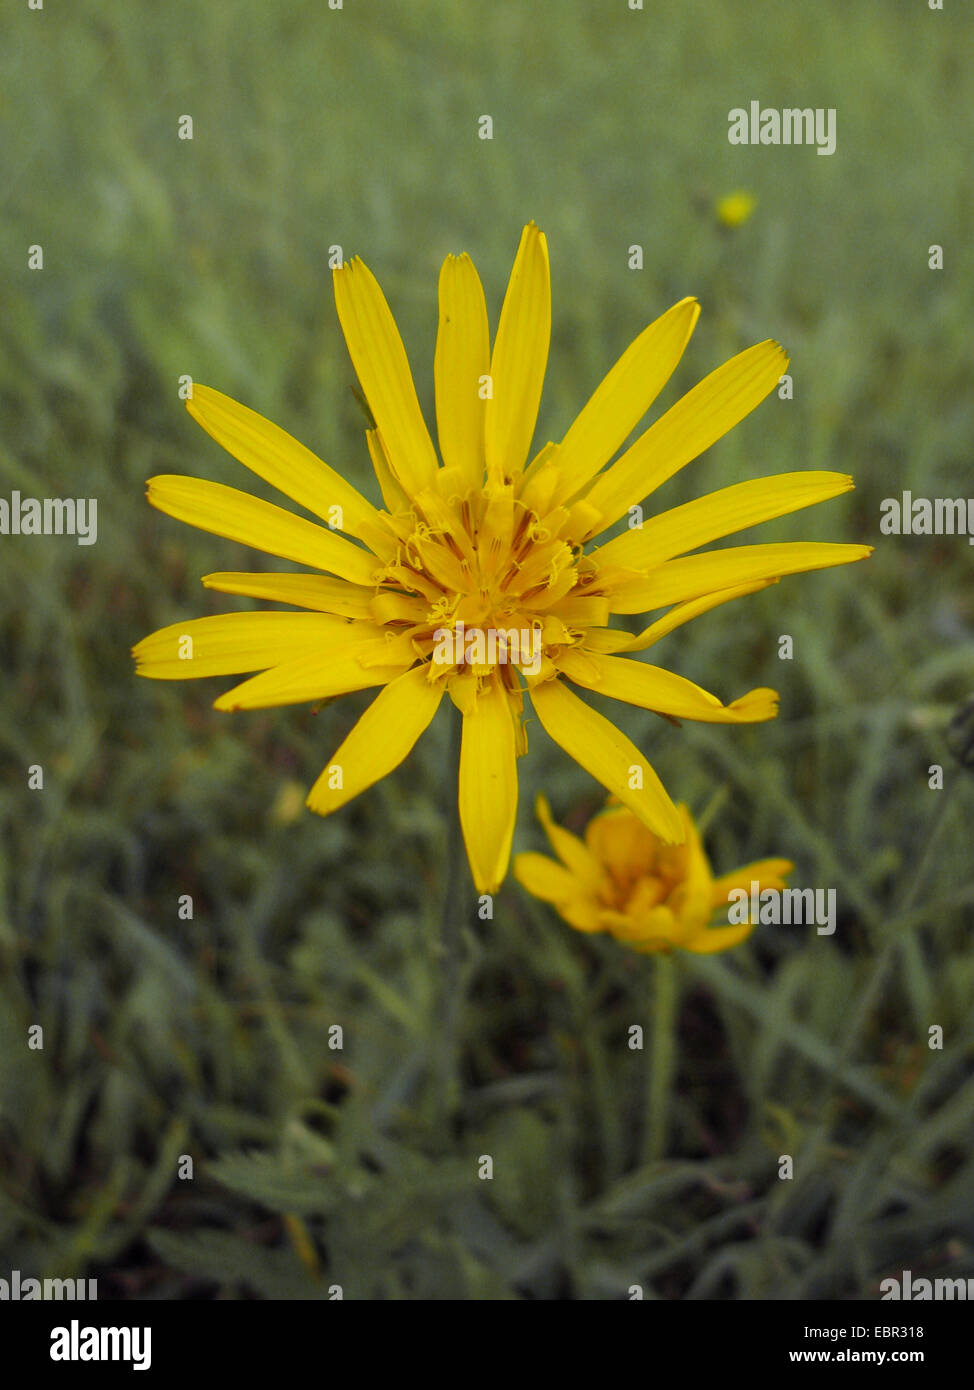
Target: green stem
[[451, 915], [662, 1055]]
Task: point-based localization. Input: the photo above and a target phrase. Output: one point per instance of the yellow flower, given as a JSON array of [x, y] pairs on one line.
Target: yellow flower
[[735, 208], [474, 579], [625, 880]]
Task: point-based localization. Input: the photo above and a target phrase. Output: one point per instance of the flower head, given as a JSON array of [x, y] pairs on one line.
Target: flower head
[[623, 879], [485, 547], [734, 209]]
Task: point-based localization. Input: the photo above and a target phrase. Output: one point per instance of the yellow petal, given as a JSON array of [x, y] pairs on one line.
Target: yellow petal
[[544, 878], [692, 576], [691, 899], [573, 852], [607, 640], [611, 758], [317, 591], [583, 914], [623, 397], [231, 643], [654, 688], [713, 939], [462, 359], [585, 612], [364, 656], [383, 737], [620, 924], [719, 514], [225, 511], [767, 873], [621, 842], [392, 494], [280, 460], [698, 419], [539, 481], [517, 365], [677, 616], [658, 930], [488, 786], [382, 367]]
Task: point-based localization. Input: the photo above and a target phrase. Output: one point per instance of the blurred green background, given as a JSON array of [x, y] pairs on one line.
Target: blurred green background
[[210, 1037]]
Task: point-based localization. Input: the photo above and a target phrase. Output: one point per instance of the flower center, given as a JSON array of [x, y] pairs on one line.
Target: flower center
[[477, 583]]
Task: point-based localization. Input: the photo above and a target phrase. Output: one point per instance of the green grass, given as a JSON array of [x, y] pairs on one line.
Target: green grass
[[210, 1037]]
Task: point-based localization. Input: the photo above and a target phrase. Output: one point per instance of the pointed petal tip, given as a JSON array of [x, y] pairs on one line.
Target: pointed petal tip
[[349, 265], [688, 308], [534, 233], [757, 706], [200, 391]]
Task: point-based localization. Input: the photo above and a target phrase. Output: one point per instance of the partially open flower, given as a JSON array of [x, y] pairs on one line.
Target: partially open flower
[[623, 879]]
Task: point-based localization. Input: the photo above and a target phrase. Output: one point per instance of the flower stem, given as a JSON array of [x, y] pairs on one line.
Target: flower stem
[[449, 938], [662, 1056]]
